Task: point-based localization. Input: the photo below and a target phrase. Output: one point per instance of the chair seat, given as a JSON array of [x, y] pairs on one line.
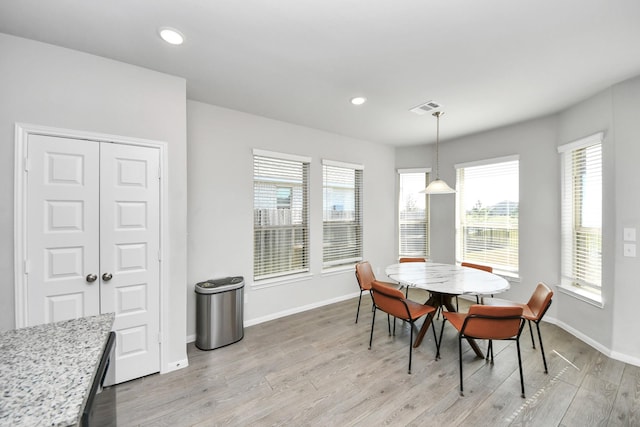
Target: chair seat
[[456, 319], [418, 310], [526, 310]]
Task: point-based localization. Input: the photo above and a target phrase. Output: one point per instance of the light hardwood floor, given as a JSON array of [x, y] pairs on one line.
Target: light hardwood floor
[[315, 369]]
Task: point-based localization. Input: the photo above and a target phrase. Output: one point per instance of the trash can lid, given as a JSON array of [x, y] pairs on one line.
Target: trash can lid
[[214, 286]]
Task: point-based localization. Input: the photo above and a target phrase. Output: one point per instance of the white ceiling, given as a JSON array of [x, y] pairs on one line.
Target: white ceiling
[[489, 62]]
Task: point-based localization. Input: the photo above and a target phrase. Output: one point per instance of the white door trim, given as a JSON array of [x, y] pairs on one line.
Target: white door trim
[[22, 132]]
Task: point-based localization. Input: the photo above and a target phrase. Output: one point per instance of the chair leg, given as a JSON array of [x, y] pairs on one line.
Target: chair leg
[[373, 320], [433, 328], [410, 344], [489, 355], [359, 301], [520, 367], [460, 360], [441, 331], [533, 342], [544, 359]]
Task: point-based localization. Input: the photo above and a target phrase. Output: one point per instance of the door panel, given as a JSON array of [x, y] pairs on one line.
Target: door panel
[[63, 217], [130, 244]]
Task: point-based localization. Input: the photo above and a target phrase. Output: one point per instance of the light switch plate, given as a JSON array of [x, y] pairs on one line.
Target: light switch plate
[[630, 249], [629, 234]]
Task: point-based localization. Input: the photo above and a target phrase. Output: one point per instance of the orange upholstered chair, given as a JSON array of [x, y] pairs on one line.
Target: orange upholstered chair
[[365, 277], [533, 311], [393, 302], [477, 267], [489, 323], [412, 259]]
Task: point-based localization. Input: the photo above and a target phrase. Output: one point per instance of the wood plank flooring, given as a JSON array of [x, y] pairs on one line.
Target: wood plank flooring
[[315, 369]]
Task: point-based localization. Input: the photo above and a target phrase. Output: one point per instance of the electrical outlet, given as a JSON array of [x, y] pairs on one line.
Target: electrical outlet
[[630, 249], [629, 234]]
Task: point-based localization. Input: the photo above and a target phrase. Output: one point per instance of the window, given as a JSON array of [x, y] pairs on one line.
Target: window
[[342, 214], [487, 213], [280, 214], [413, 213], [582, 215]]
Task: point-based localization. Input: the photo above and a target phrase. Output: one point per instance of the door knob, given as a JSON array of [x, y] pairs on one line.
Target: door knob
[[107, 276], [91, 278]]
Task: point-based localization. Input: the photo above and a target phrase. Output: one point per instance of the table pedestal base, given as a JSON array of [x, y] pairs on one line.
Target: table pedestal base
[[438, 300]]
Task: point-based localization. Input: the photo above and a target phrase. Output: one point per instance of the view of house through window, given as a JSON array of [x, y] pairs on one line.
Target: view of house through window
[[341, 214], [487, 214], [582, 214], [280, 215], [413, 213]]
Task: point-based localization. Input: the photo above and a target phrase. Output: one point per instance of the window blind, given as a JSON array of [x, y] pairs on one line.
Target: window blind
[[582, 214], [413, 214], [280, 215], [342, 214], [487, 214]]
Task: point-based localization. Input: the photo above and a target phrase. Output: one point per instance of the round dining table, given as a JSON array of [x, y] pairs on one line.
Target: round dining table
[[445, 281]]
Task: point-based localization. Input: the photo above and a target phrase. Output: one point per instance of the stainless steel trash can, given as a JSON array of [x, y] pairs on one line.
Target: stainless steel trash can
[[219, 312]]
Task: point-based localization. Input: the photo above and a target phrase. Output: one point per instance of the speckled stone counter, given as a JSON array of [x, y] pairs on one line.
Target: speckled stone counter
[[46, 370]]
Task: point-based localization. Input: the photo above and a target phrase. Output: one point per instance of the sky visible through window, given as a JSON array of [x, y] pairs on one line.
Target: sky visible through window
[[488, 189]]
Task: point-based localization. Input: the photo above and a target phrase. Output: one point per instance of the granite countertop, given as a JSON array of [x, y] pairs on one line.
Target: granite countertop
[[46, 371]]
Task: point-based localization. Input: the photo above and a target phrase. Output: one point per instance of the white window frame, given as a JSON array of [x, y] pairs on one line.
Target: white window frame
[[352, 247], [279, 220], [509, 269], [402, 204], [570, 282]]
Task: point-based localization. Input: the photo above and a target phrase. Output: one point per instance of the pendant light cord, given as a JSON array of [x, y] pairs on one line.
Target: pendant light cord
[[438, 114]]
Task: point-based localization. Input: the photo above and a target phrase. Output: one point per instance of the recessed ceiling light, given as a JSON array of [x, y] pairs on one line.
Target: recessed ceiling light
[[358, 100], [171, 35]]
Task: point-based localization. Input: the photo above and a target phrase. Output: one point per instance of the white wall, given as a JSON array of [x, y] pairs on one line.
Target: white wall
[[626, 111], [51, 86], [614, 111], [220, 218]]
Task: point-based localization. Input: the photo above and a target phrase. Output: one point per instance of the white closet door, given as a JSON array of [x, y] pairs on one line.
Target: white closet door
[[63, 231], [93, 242], [130, 246]]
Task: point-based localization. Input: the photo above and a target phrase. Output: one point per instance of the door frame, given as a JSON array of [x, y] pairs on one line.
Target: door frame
[[21, 267]]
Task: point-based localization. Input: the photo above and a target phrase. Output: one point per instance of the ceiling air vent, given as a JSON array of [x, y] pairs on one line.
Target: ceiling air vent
[[427, 107]]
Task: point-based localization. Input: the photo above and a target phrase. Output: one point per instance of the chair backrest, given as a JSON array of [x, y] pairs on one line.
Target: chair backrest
[[477, 266], [364, 275], [540, 300], [411, 259], [493, 322], [389, 300]]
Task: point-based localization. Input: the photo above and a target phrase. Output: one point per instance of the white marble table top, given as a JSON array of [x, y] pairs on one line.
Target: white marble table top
[[447, 278]]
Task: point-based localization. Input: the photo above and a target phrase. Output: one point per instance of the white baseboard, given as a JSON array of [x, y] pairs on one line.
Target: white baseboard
[[289, 312], [300, 309], [175, 365]]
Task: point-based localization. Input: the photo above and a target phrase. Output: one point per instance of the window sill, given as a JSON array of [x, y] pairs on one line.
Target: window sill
[[510, 277], [582, 295], [279, 281], [338, 270]]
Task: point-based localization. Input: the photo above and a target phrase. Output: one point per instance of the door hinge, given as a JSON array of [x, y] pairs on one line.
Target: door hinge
[[27, 164], [26, 266], [159, 338]]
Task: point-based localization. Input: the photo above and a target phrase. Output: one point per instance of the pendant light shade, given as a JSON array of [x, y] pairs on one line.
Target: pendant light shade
[[438, 186]]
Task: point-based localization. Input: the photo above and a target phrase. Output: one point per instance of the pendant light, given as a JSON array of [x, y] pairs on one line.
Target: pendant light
[[438, 186]]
